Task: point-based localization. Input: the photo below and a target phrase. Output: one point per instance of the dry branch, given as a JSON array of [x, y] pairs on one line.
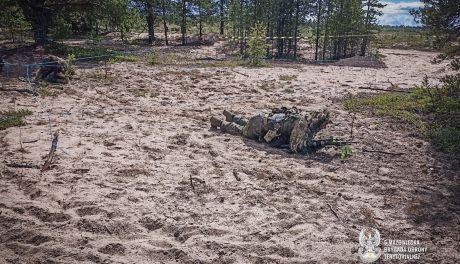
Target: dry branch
[[383, 152], [28, 91], [240, 73], [334, 212], [383, 90], [52, 151]]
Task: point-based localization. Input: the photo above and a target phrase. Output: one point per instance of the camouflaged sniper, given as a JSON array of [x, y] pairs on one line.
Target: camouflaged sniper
[[54, 70], [282, 128]]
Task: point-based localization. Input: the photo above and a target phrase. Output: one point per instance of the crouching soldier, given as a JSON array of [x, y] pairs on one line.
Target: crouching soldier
[[282, 128], [54, 70]]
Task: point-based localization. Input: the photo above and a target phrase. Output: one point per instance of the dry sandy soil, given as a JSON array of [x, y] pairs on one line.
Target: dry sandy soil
[[119, 190]]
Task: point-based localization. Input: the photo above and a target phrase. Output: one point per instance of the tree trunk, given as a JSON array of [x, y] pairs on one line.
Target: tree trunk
[[296, 28], [366, 39], [222, 22], [183, 26], [318, 20], [40, 17], [165, 26], [150, 23], [200, 22]]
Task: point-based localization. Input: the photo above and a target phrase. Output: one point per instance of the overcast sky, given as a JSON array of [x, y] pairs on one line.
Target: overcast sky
[[396, 12]]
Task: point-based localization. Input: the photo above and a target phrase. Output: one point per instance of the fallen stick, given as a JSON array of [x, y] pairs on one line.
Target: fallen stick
[[28, 91], [334, 212], [209, 58], [52, 151], [240, 73], [383, 152], [191, 182], [59, 226], [383, 90], [30, 141], [22, 166]]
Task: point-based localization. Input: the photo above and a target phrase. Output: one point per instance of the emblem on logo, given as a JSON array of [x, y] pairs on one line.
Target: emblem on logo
[[369, 239]]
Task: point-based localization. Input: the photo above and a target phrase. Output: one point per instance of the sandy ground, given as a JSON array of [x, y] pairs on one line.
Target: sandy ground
[[119, 189]]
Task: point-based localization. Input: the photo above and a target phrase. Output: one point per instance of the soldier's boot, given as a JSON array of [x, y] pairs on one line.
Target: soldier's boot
[[215, 123], [228, 116]]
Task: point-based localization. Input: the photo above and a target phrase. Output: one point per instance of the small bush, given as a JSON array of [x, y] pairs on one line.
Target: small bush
[[287, 77], [345, 152], [44, 90], [152, 58], [257, 44], [13, 118]]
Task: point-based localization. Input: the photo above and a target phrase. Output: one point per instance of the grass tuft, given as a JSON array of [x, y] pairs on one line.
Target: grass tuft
[[287, 77]]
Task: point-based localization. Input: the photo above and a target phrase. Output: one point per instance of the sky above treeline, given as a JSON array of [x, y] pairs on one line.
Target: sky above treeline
[[396, 13]]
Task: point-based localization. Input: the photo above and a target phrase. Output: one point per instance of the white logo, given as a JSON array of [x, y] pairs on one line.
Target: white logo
[[369, 239]]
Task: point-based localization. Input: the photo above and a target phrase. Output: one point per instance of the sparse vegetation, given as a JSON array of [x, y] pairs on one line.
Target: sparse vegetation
[[257, 44], [44, 90], [287, 77], [139, 93], [124, 58], [433, 110], [13, 118], [152, 58], [345, 152]]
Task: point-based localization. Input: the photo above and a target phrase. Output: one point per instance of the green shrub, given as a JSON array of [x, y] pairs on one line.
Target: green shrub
[[13, 118], [287, 77], [345, 152], [152, 58], [257, 44], [433, 110]]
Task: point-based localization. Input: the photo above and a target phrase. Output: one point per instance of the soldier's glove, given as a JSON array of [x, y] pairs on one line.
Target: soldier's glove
[[299, 135]]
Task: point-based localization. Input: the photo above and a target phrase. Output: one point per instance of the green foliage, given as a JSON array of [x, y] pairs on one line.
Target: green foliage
[[433, 110], [13, 118], [257, 44], [124, 58], [152, 58], [44, 90], [440, 15], [407, 38], [70, 63], [345, 152], [60, 29], [12, 20], [287, 77]]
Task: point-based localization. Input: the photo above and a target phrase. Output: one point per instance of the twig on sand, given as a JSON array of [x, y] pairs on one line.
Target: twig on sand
[[352, 124], [59, 226], [108, 230], [52, 151], [240, 73], [334, 212], [383, 152], [30, 141], [383, 90], [29, 91], [21, 165], [191, 182]]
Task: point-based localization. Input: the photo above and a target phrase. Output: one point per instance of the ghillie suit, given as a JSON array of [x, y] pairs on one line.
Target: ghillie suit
[[282, 128], [54, 70]]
